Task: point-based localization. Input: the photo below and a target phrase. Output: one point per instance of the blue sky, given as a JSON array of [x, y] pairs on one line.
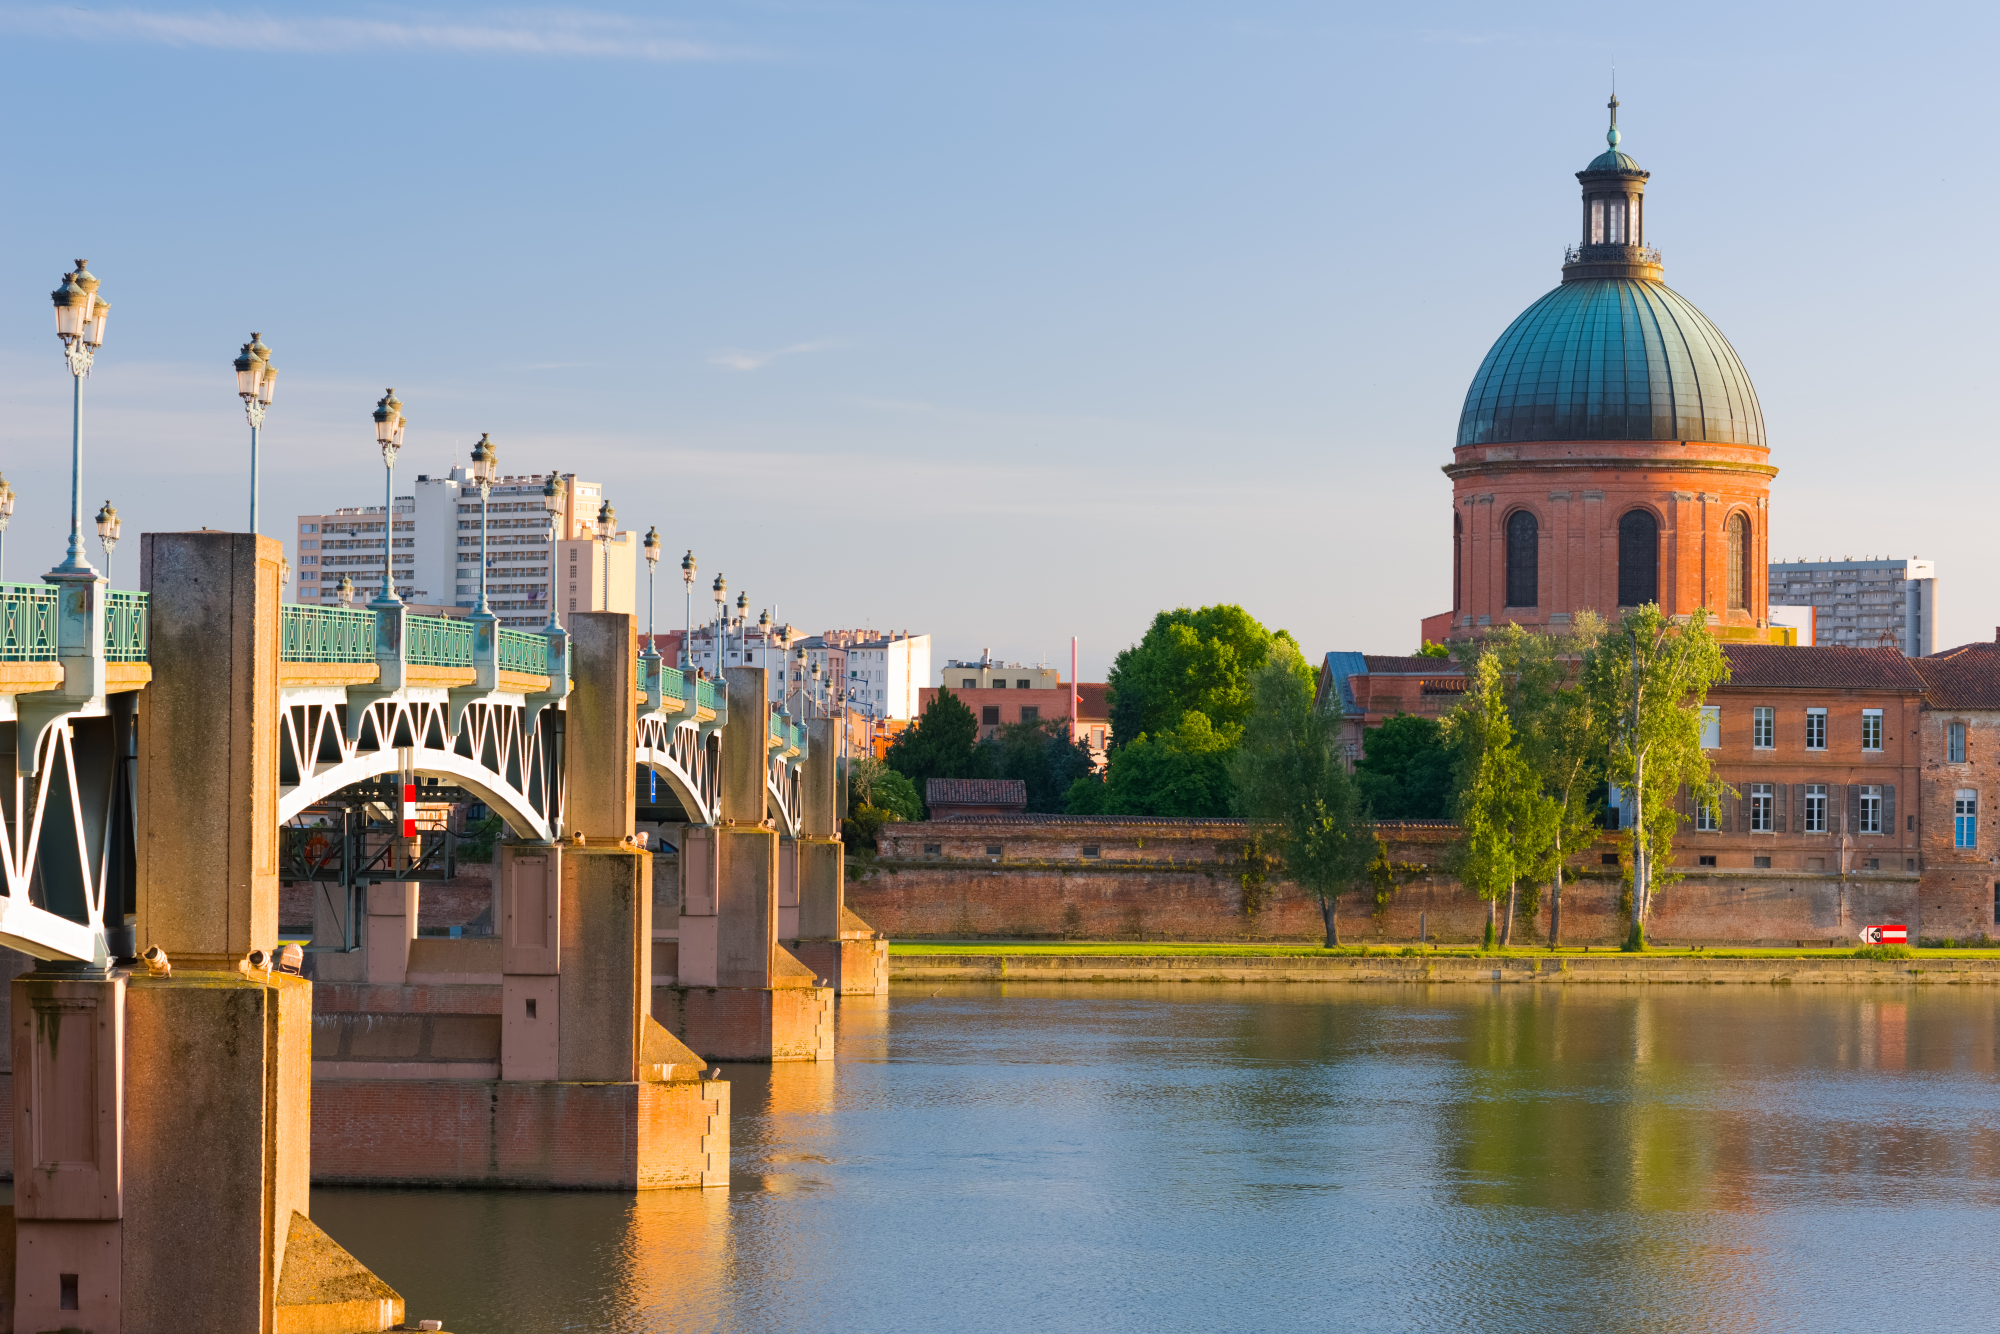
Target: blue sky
[[1006, 322]]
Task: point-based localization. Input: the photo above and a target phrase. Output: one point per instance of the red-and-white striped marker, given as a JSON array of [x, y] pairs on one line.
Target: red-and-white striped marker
[[1886, 934], [409, 810]]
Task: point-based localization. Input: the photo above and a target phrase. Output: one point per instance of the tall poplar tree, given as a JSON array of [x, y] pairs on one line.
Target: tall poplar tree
[[1649, 679], [1507, 822]]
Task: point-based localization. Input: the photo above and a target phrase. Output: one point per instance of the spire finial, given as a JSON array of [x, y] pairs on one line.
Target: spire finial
[[1611, 136]]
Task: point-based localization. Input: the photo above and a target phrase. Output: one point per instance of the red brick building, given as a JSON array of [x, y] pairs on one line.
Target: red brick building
[[997, 707]]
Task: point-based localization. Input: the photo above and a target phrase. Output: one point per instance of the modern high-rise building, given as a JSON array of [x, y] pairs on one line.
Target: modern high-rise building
[[436, 549], [1863, 603]]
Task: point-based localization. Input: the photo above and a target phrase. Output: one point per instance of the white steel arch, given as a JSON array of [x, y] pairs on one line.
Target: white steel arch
[[677, 748]]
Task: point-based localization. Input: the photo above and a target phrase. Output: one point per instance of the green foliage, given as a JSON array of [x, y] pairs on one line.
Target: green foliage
[[1191, 661], [1295, 789], [1430, 650], [1648, 680], [1508, 822], [476, 844], [1387, 876], [1043, 756], [1183, 771], [1088, 795], [1884, 953], [943, 744], [1254, 875], [898, 795], [864, 823], [1405, 770]]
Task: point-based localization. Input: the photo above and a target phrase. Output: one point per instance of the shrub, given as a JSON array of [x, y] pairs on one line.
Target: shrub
[[1883, 953]]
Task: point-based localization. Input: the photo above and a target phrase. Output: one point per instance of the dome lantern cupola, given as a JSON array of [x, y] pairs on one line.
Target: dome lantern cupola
[[1614, 217]]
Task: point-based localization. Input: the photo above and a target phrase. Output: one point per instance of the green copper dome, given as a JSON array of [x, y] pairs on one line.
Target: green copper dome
[[1611, 160], [1611, 359]]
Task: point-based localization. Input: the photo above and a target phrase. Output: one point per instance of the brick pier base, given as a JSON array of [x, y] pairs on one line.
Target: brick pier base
[[850, 967], [521, 1134], [749, 1024]]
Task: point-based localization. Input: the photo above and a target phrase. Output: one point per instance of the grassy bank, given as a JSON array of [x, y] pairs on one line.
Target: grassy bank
[[1180, 949]]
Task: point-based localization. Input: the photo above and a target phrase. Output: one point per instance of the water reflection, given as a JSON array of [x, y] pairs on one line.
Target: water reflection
[[1111, 1157]]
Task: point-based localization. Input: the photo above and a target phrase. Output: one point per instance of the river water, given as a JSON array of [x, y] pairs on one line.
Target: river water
[[1287, 1158]]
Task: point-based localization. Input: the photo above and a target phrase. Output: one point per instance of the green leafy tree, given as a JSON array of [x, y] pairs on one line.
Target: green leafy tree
[[1199, 661], [896, 794], [1043, 756], [1649, 680], [1406, 769], [1295, 789], [1088, 795], [943, 744], [1430, 650], [1507, 822], [1183, 771], [1562, 735]]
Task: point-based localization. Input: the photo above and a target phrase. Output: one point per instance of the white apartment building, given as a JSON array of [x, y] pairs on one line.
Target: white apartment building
[[436, 550], [1863, 603], [885, 672]]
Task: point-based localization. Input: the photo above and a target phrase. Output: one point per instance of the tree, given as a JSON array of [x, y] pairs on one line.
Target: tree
[[1508, 823], [1295, 788], [1405, 770], [1183, 771], [1561, 733], [1649, 680], [898, 795], [1197, 661], [1430, 650], [1044, 756], [943, 744]]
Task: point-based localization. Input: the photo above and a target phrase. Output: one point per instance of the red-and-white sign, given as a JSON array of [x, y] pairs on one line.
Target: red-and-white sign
[[1888, 933], [410, 811]]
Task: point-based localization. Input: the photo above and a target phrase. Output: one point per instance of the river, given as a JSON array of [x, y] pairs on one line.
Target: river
[[1213, 1157]]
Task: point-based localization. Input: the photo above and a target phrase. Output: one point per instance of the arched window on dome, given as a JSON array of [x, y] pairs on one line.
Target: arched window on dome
[[1638, 559], [1739, 563], [1524, 567]]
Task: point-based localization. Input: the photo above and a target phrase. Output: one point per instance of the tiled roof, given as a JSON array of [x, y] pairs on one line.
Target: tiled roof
[[1976, 646], [1093, 704], [975, 792], [1776, 666], [1968, 680], [1414, 665]]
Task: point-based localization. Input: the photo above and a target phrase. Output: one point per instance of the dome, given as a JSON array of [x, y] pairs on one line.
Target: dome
[[1611, 160], [1611, 359]]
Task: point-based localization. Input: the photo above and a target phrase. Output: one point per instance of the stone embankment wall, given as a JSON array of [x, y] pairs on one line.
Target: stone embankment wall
[[1085, 879]]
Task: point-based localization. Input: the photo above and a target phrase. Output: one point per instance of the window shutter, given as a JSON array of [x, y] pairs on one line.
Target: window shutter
[[1779, 792], [1799, 804], [1889, 808], [1854, 808], [1742, 804], [1725, 813]]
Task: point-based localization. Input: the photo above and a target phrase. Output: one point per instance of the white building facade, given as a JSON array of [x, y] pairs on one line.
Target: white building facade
[[1863, 603]]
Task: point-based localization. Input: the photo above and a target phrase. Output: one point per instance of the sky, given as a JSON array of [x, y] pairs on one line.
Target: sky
[[1002, 322]]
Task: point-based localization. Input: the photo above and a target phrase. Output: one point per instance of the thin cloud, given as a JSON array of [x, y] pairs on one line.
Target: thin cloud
[[743, 359], [573, 33]]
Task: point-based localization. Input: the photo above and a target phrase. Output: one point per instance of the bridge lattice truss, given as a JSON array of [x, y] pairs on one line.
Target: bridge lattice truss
[[684, 753], [500, 750], [66, 835]]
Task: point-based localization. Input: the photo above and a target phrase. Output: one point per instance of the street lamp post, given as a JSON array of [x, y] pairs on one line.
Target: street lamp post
[[389, 424], [552, 505], [256, 380], [485, 463], [607, 522], [80, 317], [108, 527], [687, 604], [742, 625], [652, 549], [346, 591], [721, 590], [6, 516]]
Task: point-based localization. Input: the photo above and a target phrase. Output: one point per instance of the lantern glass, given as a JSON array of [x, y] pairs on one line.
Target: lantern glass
[[267, 386], [100, 314], [247, 372]]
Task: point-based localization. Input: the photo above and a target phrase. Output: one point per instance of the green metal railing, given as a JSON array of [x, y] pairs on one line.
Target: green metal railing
[[524, 652], [438, 641], [325, 634], [127, 626], [789, 735], [27, 623], [704, 697]]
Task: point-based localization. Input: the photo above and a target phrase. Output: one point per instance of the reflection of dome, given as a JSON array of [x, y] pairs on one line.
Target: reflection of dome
[[1611, 359]]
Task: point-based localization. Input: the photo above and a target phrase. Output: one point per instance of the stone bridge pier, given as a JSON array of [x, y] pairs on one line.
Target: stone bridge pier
[[821, 932]]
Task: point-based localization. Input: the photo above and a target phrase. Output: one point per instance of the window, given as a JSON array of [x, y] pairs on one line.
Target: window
[[993, 849], [1090, 849], [1739, 569], [1021, 685], [933, 849], [1815, 809], [1954, 743], [1523, 559], [1597, 222], [1761, 815], [1815, 729], [308, 527], [1871, 729], [1760, 863], [1097, 737], [1704, 818], [1031, 713], [1617, 222], [1965, 819], [989, 716], [1871, 810], [1638, 559], [1711, 727], [1708, 861], [969, 683], [1764, 727]]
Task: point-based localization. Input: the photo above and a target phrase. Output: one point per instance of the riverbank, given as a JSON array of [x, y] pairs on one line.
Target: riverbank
[[912, 961]]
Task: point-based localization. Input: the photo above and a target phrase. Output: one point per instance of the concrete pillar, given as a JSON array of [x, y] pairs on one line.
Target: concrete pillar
[[834, 943], [602, 723], [741, 996], [391, 926], [214, 1159]]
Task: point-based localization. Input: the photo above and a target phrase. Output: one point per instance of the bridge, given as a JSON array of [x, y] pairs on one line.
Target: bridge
[[162, 739]]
